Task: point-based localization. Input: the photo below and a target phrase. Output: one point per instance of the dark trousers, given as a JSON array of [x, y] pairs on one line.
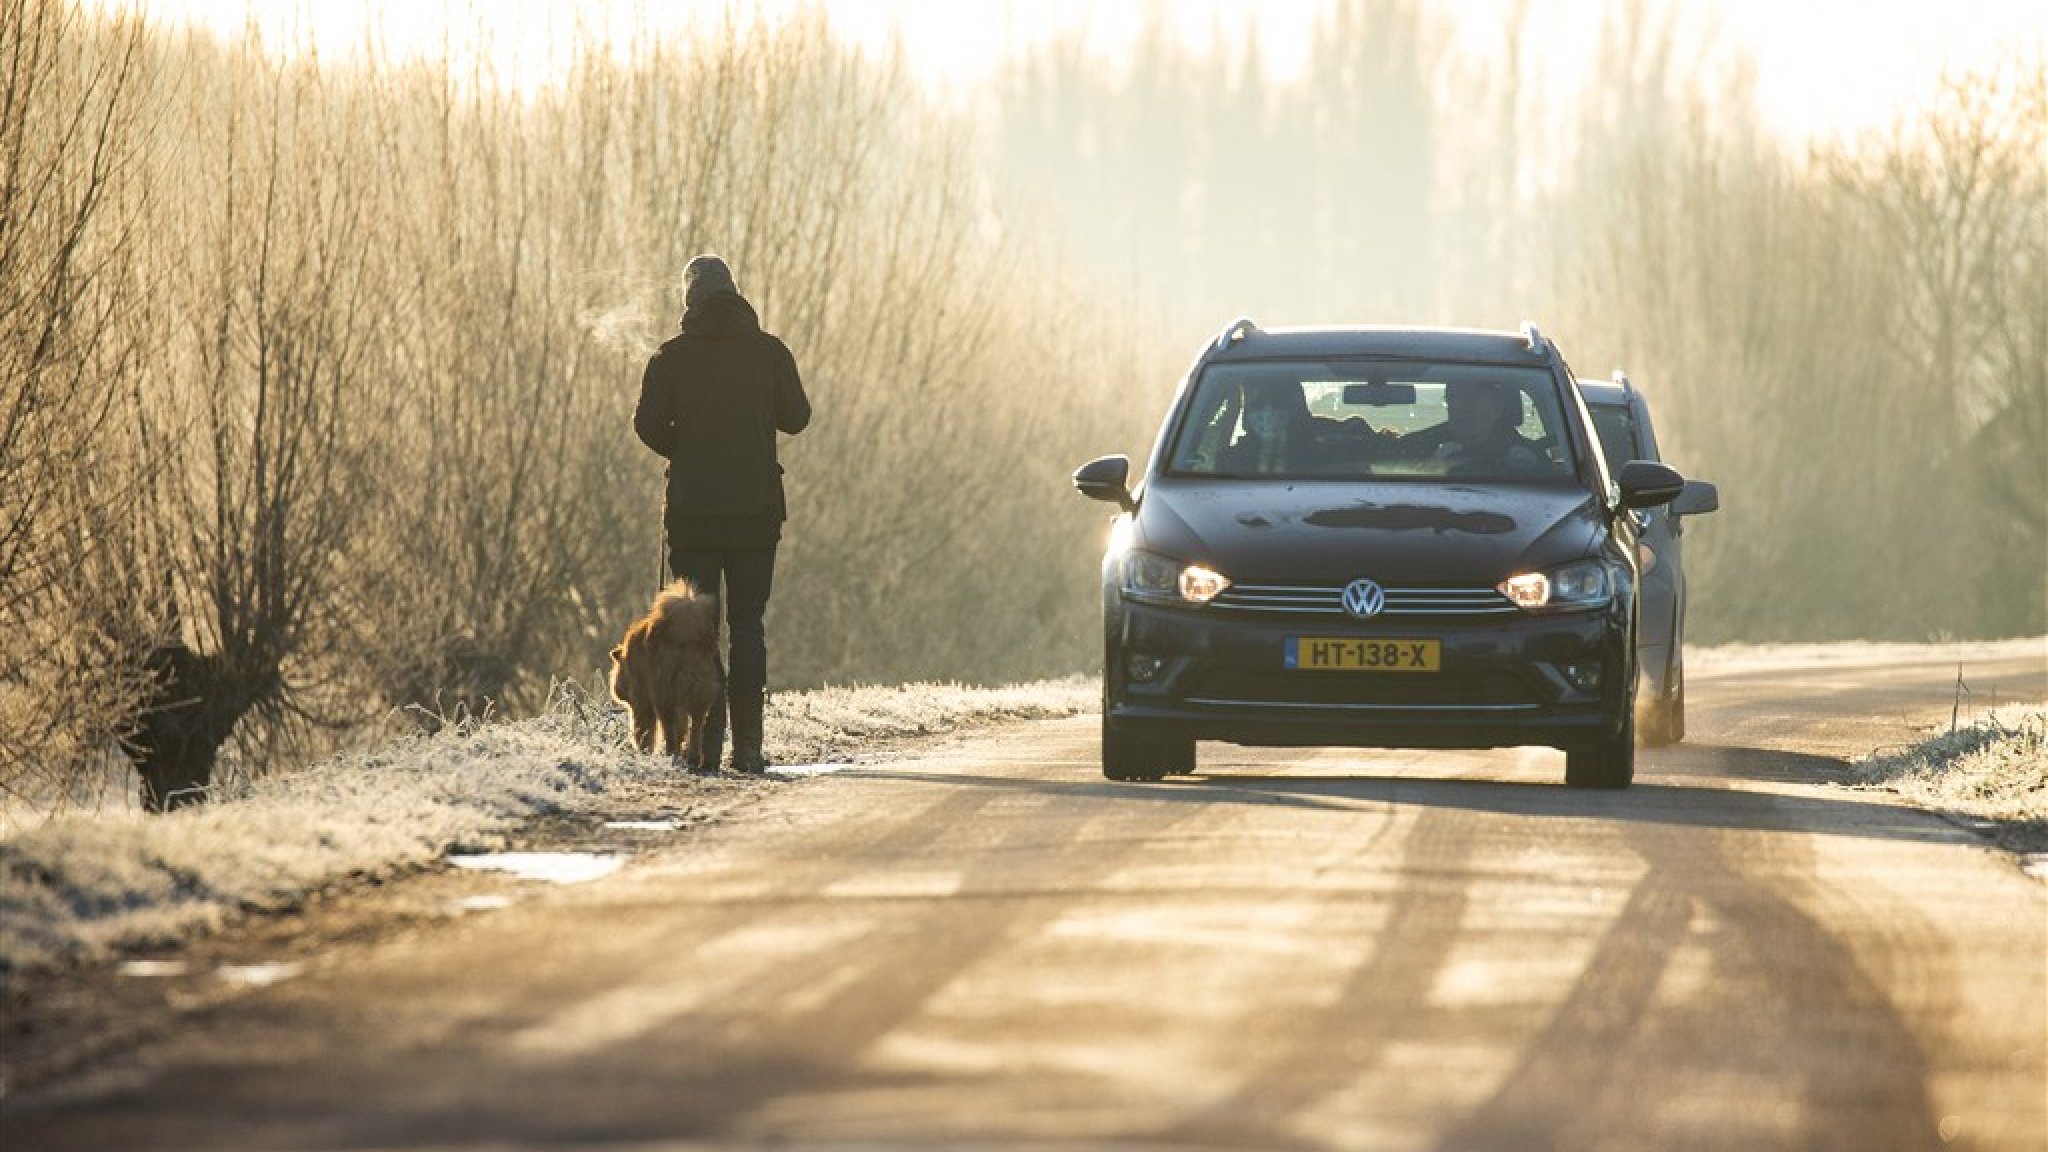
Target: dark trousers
[[748, 574]]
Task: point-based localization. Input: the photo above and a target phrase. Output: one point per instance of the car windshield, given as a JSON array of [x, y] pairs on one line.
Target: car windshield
[[1617, 431], [1302, 420]]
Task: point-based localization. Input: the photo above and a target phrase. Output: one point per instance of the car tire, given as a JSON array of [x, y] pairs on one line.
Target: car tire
[[1609, 762], [1126, 757], [1138, 759], [1663, 722], [1651, 726]]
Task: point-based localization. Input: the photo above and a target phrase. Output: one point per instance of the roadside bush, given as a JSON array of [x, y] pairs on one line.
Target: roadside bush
[[338, 417]]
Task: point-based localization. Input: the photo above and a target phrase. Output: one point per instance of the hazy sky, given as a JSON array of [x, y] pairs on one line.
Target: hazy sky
[[1823, 65]]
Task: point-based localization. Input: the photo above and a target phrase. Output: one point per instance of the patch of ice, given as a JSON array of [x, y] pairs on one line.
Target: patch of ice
[[553, 867], [642, 825], [153, 968], [258, 975], [480, 904], [2036, 865]]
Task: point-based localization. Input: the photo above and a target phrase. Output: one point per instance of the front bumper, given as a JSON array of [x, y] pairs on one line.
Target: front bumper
[[1523, 679]]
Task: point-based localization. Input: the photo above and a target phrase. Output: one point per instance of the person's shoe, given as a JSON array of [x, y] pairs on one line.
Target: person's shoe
[[747, 758]]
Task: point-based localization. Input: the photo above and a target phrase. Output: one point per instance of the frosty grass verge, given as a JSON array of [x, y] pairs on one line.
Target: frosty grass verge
[[82, 886], [1994, 769]]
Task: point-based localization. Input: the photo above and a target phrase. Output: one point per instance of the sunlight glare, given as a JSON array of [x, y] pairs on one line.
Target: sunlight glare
[[1821, 66]]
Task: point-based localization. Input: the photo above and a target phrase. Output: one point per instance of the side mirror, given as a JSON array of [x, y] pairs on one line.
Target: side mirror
[[1646, 484], [1699, 496], [1106, 479]]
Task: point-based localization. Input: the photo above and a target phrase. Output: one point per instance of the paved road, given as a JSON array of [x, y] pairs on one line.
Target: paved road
[[989, 945]]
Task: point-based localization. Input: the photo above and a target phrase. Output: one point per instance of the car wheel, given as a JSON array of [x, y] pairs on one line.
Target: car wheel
[[1130, 758], [1652, 727], [1609, 762], [1127, 757], [1663, 721]]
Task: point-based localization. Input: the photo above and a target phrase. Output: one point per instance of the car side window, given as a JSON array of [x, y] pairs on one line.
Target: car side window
[[1617, 433], [1211, 430]]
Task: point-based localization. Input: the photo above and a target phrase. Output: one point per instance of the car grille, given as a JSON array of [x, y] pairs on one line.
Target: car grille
[[1486, 690], [1312, 599]]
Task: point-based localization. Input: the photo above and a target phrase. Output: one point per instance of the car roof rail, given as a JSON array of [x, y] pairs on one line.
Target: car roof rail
[[1621, 378], [1534, 336], [1235, 331]]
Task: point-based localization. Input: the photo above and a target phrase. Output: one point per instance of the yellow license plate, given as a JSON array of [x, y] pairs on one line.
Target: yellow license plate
[[1353, 654]]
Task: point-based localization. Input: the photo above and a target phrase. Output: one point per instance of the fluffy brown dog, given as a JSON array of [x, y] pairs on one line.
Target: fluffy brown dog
[[668, 673]]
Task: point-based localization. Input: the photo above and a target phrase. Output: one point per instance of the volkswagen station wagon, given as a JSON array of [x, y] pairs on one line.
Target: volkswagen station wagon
[[1621, 419], [1379, 538]]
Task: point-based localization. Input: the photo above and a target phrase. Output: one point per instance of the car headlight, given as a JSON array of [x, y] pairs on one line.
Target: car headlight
[[1161, 581], [1585, 584]]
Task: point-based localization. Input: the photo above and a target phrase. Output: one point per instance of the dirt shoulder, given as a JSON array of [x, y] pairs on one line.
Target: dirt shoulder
[[66, 1013], [114, 924]]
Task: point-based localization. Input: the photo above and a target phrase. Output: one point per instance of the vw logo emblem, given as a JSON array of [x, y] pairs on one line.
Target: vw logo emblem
[[1364, 599]]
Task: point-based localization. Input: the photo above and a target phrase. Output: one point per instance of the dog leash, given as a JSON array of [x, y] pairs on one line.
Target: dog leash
[[661, 576]]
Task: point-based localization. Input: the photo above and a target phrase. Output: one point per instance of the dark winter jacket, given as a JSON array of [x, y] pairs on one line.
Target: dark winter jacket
[[711, 402]]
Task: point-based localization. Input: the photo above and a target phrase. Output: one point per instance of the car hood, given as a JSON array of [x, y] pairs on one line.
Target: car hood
[[1396, 533]]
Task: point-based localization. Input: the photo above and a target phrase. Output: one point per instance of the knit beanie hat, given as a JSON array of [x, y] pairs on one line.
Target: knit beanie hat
[[705, 276]]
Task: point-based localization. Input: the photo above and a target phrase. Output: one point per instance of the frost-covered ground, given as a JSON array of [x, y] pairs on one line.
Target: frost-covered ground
[[87, 884], [1862, 652], [1994, 769]]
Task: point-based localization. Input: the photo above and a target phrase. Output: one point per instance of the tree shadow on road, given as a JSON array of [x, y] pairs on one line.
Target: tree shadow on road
[[1667, 802], [1653, 802]]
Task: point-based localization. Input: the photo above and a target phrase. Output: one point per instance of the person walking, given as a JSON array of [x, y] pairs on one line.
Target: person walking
[[711, 401]]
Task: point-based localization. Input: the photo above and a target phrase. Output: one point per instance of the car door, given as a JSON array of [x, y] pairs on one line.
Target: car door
[[1626, 433]]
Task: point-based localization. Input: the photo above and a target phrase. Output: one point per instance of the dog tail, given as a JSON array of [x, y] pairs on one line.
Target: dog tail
[[684, 617]]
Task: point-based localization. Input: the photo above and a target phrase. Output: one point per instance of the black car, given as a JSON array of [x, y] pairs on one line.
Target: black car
[[1621, 417], [1373, 537]]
